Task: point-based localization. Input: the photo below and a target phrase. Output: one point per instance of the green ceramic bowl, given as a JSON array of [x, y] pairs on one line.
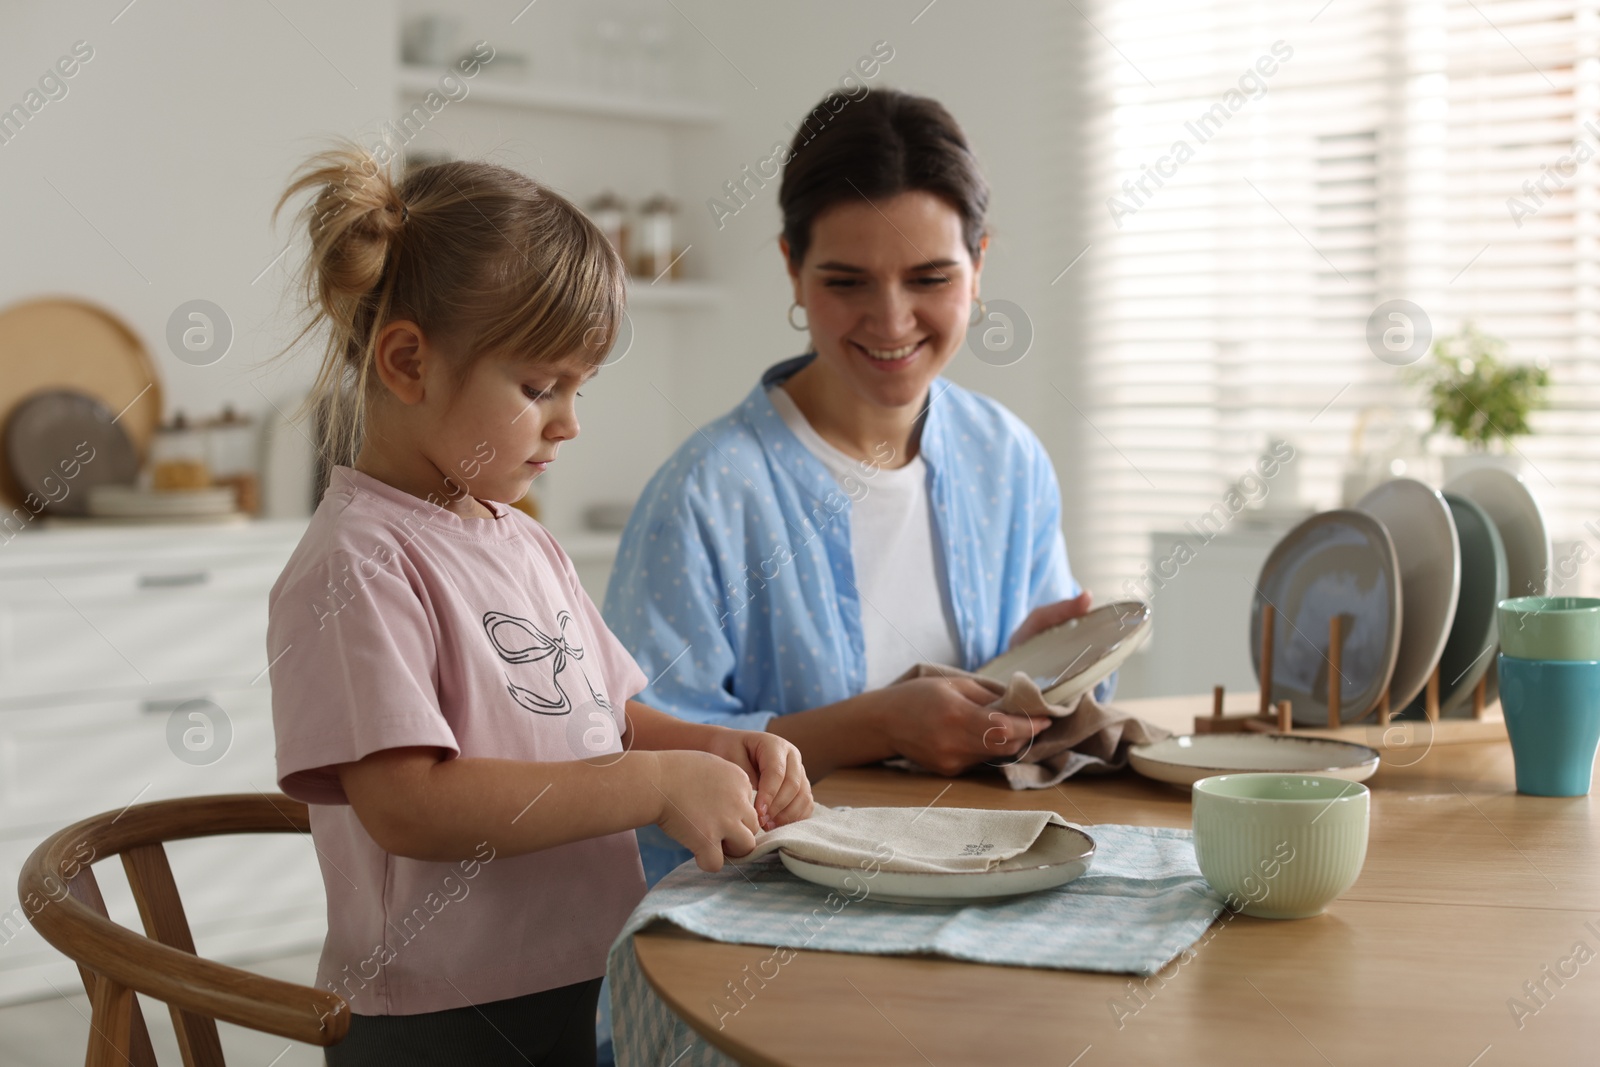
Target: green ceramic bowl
[[1550, 627], [1280, 846]]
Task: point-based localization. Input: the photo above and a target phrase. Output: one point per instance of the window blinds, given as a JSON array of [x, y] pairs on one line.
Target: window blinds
[[1260, 177]]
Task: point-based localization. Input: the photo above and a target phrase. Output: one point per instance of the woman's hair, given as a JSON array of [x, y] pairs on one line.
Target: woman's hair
[[874, 147], [485, 260]]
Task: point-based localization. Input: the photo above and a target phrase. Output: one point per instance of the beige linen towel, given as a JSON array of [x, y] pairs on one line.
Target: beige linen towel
[[938, 840], [1086, 736]]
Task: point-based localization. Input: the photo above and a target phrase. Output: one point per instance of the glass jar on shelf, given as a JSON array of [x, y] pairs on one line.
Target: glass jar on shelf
[[657, 253], [610, 214], [235, 457], [179, 457]]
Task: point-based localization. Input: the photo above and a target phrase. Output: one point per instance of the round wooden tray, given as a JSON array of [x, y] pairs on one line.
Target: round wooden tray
[[62, 343]]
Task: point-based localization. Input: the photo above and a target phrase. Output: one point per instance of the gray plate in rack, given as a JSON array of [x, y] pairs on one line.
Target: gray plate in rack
[[1337, 562]]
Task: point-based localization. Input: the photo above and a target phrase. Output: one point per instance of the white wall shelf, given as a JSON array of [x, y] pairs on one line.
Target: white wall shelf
[[416, 82], [664, 294]]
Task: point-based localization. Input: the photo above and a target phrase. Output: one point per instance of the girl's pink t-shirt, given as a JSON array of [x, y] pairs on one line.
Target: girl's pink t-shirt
[[398, 623]]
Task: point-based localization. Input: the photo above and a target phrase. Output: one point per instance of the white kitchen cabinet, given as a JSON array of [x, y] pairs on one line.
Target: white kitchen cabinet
[[107, 634]]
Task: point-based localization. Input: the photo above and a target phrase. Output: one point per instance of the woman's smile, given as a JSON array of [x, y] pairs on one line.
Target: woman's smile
[[891, 358]]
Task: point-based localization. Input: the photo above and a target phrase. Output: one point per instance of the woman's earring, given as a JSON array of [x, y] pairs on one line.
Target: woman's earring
[[797, 325], [982, 311]]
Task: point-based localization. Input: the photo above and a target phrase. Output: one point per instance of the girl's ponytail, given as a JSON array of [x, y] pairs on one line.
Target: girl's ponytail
[[483, 259], [354, 223]]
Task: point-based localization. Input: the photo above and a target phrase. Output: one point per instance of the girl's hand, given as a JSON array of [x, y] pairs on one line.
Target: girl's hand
[[783, 793], [705, 806]]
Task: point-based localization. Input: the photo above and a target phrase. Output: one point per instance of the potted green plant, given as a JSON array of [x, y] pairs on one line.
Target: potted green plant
[[1479, 398]]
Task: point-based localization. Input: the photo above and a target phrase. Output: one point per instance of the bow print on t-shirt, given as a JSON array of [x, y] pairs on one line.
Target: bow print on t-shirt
[[520, 641]]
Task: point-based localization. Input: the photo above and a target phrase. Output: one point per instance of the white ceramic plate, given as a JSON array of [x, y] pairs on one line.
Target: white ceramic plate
[[1516, 514], [1187, 759], [1337, 563], [1425, 543], [1061, 854], [1077, 655]]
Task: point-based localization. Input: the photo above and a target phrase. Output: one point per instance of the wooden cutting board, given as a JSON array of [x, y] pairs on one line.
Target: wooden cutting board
[[57, 343]]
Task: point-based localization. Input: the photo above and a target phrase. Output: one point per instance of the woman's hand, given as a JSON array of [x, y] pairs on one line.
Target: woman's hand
[[1045, 616], [945, 724], [705, 805], [773, 765]]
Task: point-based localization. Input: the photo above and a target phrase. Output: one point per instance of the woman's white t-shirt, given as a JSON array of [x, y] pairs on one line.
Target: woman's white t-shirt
[[905, 614]]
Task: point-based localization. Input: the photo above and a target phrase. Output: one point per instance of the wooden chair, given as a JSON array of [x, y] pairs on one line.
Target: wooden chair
[[60, 896]]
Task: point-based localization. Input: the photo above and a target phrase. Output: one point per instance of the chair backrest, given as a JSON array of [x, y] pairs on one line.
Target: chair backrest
[[62, 899]]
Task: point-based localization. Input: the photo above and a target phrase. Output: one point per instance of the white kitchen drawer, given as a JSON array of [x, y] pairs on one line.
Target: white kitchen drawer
[[95, 579], [131, 640], [61, 764], [245, 895], [95, 612], [60, 636], [91, 550]]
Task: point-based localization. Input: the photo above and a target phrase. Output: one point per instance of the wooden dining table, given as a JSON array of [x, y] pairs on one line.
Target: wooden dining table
[[1470, 939]]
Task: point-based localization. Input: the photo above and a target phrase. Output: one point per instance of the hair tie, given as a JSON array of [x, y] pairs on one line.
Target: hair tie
[[405, 212]]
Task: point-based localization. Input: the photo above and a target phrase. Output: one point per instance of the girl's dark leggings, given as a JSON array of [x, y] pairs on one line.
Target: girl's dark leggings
[[554, 1028]]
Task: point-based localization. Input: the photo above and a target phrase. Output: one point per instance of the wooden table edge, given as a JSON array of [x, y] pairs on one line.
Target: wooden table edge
[[718, 1039]]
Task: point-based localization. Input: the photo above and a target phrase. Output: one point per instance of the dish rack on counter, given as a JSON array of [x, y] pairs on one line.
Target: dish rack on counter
[[1278, 718]]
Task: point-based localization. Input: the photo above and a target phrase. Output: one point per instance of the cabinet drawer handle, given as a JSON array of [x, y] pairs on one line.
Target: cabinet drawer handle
[[166, 706], [164, 581]]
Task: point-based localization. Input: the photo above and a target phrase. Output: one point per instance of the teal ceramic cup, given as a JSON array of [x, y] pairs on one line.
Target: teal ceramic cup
[[1550, 627], [1280, 846], [1552, 710]]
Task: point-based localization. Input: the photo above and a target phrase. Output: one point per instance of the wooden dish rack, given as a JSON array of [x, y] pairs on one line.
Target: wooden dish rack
[[1278, 718]]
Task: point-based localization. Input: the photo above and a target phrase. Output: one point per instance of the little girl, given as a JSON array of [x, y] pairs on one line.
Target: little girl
[[444, 694]]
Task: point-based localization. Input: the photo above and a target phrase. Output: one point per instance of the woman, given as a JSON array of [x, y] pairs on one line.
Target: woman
[[856, 514]]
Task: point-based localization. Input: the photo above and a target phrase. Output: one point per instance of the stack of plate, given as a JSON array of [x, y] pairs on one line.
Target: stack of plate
[[131, 504], [1514, 514], [1415, 575]]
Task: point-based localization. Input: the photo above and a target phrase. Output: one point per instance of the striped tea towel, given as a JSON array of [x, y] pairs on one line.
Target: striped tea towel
[[1143, 902]]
